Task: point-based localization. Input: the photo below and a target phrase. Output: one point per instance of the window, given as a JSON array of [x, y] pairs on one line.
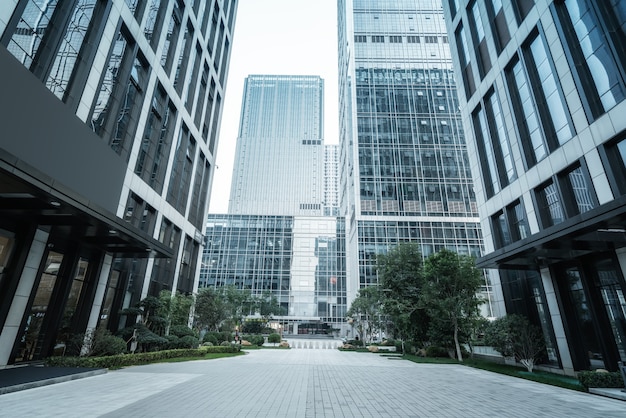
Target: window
[[360, 38], [485, 151], [522, 8], [378, 39], [550, 205], [413, 39], [171, 38], [115, 112], [464, 57], [517, 219], [139, 214], [430, 39], [502, 236], [157, 137], [183, 59], [499, 27], [616, 154], [395, 39], [181, 170], [596, 41], [578, 191], [478, 36], [154, 21], [544, 122]]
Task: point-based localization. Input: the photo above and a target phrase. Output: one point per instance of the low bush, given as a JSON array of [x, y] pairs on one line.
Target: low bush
[[210, 337], [123, 360], [254, 339], [274, 338], [356, 343], [181, 331], [435, 351], [591, 379]]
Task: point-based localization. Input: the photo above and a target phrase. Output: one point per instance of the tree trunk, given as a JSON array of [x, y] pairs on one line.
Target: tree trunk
[[456, 342]]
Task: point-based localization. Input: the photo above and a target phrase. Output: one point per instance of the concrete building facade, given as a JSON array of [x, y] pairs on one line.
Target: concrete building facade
[[543, 108], [110, 113]]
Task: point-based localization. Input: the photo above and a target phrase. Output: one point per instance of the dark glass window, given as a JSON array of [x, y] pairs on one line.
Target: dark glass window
[[517, 219], [157, 137], [596, 41], [522, 8], [499, 27], [464, 57], [550, 205], [180, 178], [171, 38], [116, 110], [156, 12], [616, 153], [183, 59], [502, 236], [578, 190], [477, 30]]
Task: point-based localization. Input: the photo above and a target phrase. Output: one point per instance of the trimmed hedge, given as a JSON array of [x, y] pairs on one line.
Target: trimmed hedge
[[123, 360], [590, 379]]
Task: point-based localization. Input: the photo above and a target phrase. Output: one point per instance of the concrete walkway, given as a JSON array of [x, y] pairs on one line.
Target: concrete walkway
[[304, 383]]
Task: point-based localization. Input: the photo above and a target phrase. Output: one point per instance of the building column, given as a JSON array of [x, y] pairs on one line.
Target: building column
[[27, 280], [557, 322], [96, 307]]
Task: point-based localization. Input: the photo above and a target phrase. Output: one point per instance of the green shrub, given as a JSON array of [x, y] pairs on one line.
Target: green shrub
[[225, 344], [210, 337], [435, 351], [182, 331], [255, 339], [123, 360], [189, 341], [274, 338], [107, 344], [356, 343], [591, 379]]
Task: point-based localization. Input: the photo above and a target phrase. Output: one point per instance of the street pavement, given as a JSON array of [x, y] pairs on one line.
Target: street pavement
[[304, 383]]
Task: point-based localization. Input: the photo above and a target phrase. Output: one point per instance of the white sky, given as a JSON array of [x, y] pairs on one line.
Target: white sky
[[286, 37]]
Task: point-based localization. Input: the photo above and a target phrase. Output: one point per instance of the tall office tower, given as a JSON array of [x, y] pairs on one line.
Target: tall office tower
[[279, 155], [330, 203], [405, 172], [109, 113], [544, 84]]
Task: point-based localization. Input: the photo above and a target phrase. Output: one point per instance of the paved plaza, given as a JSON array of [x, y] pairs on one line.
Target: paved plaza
[[304, 383]]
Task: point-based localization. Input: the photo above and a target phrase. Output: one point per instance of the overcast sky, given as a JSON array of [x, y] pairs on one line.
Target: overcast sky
[[287, 37]]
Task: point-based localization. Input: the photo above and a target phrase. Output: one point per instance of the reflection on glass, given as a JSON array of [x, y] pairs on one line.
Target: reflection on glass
[[29, 343], [589, 339], [614, 303]]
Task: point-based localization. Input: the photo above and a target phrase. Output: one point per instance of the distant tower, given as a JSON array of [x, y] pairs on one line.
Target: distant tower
[[279, 155], [331, 180]]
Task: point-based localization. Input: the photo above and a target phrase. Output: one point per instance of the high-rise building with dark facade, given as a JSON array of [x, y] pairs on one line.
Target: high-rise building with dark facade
[[543, 106], [405, 174], [110, 111]]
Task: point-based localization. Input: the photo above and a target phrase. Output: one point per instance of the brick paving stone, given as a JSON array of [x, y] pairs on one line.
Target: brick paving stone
[[305, 383]]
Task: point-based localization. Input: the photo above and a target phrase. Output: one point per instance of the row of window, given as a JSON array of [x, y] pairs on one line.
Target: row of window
[[565, 195], [397, 39]]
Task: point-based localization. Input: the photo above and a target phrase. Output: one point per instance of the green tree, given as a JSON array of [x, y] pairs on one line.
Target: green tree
[[210, 310], [400, 275], [515, 336], [450, 296], [175, 309], [365, 311]]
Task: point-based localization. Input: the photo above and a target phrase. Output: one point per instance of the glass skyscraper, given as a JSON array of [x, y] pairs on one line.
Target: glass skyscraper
[[405, 169], [280, 149]]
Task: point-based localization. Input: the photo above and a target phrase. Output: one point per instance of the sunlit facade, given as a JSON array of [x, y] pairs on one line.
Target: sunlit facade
[[543, 104], [405, 171], [110, 113]]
